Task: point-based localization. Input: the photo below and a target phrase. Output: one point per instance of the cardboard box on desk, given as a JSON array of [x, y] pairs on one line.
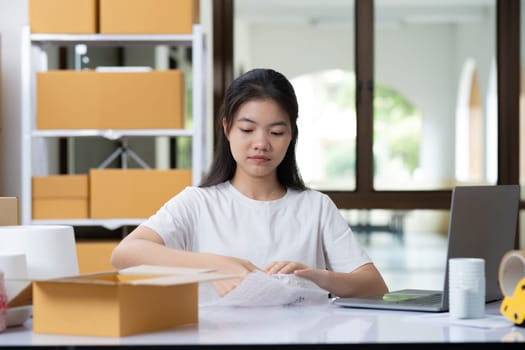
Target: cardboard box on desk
[[63, 16], [133, 193], [8, 211], [60, 197], [148, 16], [130, 301], [110, 100]]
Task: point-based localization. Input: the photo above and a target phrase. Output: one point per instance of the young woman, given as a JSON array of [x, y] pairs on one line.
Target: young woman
[[253, 211]]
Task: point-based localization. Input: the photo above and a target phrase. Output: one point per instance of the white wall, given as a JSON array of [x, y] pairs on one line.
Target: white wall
[[299, 48], [13, 15]]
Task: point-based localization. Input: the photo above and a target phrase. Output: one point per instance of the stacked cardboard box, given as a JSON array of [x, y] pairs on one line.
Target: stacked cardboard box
[[106, 193], [60, 197], [133, 193], [113, 16], [148, 16], [63, 16], [110, 100]]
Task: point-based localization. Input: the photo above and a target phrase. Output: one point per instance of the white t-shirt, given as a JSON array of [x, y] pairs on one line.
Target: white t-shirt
[[302, 226]]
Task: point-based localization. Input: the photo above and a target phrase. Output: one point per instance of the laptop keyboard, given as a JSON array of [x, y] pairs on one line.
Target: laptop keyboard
[[422, 300]]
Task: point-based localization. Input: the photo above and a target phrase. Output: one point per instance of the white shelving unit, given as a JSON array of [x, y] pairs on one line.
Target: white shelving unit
[[34, 59]]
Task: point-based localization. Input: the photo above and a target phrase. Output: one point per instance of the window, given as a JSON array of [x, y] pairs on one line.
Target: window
[[439, 57], [326, 145], [419, 49]]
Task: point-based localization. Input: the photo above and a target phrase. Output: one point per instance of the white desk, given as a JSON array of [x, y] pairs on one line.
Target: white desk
[[307, 325]]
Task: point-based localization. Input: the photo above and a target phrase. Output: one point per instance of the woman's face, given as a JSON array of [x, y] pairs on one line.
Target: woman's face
[[259, 138]]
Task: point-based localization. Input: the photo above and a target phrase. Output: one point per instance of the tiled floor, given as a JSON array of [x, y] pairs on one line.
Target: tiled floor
[[416, 262]]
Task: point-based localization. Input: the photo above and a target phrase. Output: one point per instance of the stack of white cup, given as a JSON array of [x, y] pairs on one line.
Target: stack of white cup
[[466, 287]]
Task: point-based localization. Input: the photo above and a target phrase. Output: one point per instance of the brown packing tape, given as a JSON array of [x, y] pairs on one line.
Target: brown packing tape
[[511, 271]]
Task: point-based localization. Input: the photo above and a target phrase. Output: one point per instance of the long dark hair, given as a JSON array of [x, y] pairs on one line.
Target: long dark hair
[[253, 85]]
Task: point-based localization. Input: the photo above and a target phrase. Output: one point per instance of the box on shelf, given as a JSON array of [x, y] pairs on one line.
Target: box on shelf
[[8, 211], [63, 16], [60, 197], [135, 300], [133, 193], [94, 256], [69, 99], [148, 16]]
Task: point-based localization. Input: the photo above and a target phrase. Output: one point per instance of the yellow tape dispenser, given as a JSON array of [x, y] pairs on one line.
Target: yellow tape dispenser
[[512, 284], [513, 307]]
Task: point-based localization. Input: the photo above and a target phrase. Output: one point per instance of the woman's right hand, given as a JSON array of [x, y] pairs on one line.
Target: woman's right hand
[[232, 266]]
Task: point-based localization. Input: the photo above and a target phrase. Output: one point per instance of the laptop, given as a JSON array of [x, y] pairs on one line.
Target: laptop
[[482, 224]]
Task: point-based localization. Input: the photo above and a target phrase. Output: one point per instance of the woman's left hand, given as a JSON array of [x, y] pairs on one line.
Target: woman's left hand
[[364, 281], [319, 277], [284, 267]]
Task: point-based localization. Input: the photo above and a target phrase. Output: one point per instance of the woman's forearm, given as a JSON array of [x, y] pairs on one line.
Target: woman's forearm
[[140, 251], [143, 246], [365, 281]]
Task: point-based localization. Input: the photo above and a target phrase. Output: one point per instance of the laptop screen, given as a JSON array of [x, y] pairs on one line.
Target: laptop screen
[[482, 224]]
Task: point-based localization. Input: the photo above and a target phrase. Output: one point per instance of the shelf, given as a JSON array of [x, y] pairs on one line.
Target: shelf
[[34, 58], [112, 39], [110, 224], [112, 134]]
